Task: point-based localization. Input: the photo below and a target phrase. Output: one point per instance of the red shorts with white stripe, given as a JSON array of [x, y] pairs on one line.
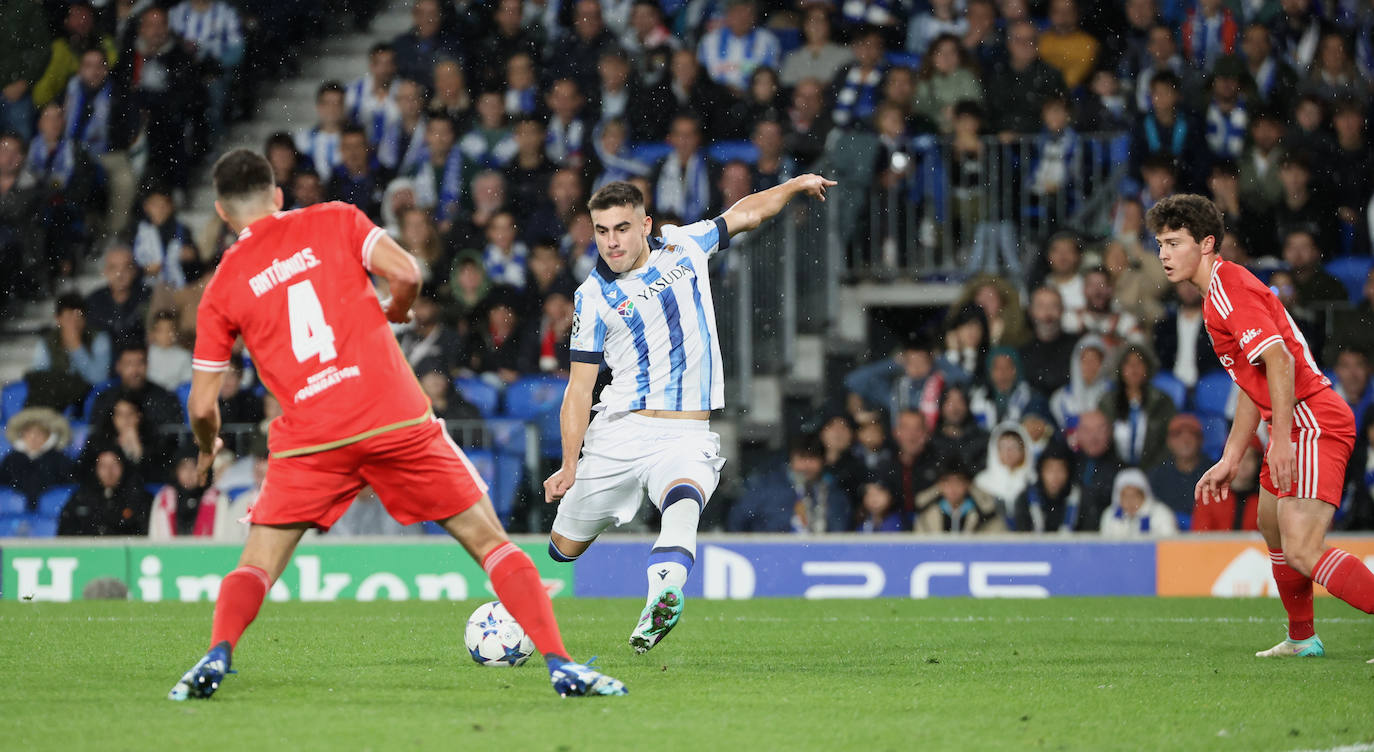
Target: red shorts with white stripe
[[418, 473], [1323, 437]]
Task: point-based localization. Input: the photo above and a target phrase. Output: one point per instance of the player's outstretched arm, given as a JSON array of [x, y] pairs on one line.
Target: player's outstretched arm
[[202, 407], [1215, 484], [752, 210], [572, 424], [402, 274]]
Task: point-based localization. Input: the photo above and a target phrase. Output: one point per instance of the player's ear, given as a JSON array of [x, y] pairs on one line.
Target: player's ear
[[224, 215], [648, 225], [1209, 244], [278, 200]]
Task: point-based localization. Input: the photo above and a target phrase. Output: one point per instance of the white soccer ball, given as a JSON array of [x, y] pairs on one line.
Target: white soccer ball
[[494, 638]]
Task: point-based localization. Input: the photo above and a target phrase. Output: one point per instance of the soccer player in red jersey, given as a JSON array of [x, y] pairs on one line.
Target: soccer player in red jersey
[[296, 288], [1311, 430]]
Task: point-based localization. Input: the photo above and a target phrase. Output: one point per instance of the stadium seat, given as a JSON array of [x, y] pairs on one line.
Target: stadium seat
[[1169, 384], [482, 395], [89, 404], [12, 399], [1213, 392], [80, 432], [184, 396], [510, 472], [4, 444], [1185, 521], [53, 499], [533, 396], [507, 435], [13, 525], [235, 491], [153, 488], [485, 462], [650, 152], [1352, 272], [34, 526], [733, 151], [12, 502], [1214, 431], [903, 59]]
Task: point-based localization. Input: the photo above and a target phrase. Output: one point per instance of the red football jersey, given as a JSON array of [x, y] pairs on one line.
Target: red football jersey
[[1244, 317], [295, 285]]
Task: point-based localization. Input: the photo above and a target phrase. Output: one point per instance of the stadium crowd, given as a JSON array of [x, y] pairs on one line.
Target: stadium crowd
[[1082, 396]]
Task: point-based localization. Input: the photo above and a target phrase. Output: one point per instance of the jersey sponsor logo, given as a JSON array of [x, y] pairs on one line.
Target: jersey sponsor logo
[[280, 271], [660, 285], [626, 309], [325, 379], [1249, 335], [1227, 361]]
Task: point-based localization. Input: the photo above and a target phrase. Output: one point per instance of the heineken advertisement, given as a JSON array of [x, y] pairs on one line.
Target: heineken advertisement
[[423, 571]]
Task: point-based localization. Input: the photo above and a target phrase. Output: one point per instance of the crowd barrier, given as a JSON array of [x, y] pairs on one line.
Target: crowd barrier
[[734, 567]]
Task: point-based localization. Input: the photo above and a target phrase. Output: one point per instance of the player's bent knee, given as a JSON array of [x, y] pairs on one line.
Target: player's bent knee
[[566, 550], [684, 490], [1302, 559]]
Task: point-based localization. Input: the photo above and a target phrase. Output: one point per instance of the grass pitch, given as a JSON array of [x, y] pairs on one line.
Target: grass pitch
[[1103, 673]]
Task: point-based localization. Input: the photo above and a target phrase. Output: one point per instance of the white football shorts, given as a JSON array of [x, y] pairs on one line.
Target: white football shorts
[[626, 456]]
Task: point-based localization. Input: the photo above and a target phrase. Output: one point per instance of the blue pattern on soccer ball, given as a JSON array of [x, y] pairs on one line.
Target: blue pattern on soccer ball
[[513, 655], [477, 655]]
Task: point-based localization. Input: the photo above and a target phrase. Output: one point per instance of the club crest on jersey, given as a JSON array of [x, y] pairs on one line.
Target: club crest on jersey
[[626, 309], [1248, 335]]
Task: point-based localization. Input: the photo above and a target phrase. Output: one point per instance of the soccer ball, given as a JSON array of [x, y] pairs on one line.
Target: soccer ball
[[494, 638]]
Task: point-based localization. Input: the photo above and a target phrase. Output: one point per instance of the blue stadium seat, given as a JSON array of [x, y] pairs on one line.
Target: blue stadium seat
[[904, 59], [13, 525], [733, 151], [235, 491], [533, 396], [1169, 384], [788, 39], [12, 399], [28, 526], [510, 472], [482, 395], [153, 488], [53, 499], [650, 152], [89, 404], [1213, 392], [80, 432], [12, 502], [1352, 272], [1214, 431], [4, 443], [1185, 521], [507, 435], [184, 396]]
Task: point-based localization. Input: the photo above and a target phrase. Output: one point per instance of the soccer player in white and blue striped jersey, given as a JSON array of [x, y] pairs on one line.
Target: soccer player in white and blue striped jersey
[[645, 311]]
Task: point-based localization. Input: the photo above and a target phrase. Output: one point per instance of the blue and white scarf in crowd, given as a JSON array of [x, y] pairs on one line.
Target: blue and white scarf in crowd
[[321, 148], [444, 193], [522, 101], [615, 166], [215, 30], [858, 95], [1055, 155], [1265, 77], [1205, 37], [149, 250], [875, 12], [564, 140], [1178, 135], [1142, 522], [372, 114], [732, 60], [398, 150], [1226, 130], [485, 153], [684, 191], [1035, 506], [93, 130], [52, 165], [504, 269]]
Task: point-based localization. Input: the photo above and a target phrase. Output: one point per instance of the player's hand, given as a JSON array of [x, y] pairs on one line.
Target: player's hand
[[1215, 484], [1283, 464], [558, 484], [813, 185], [394, 314], [206, 459]]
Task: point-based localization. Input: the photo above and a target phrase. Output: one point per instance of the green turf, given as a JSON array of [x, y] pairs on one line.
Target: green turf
[[735, 676]]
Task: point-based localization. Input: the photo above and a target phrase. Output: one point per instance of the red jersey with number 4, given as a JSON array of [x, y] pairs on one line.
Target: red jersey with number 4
[[295, 286], [1243, 318]]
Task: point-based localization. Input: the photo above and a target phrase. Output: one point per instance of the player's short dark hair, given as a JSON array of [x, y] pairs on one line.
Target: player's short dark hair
[[329, 87], [617, 193], [70, 302], [241, 173], [1186, 211]]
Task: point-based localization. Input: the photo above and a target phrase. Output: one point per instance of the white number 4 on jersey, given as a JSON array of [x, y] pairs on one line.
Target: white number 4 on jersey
[[310, 335]]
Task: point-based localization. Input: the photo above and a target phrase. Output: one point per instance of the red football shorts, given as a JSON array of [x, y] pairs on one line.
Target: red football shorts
[[418, 473], [1323, 437]]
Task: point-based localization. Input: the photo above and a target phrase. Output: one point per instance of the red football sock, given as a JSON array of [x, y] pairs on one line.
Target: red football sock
[[1295, 590], [240, 597], [517, 585], [1347, 578]]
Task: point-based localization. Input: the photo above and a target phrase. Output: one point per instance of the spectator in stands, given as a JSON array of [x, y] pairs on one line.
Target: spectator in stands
[[1102, 315], [958, 435], [1224, 186], [79, 33], [1103, 107], [548, 274], [1227, 116], [70, 182], [427, 343], [1135, 512], [1066, 47], [402, 136], [842, 461], [421, 238], [546, 351], [818, 57], [319, 144], [1064, 260], [468, 288], [71, 347], [23, 56], [1271, 79], [915, 464], [161, 78], [1313, 283], [36, 462], [490, 143], [944, 79], [1055, 165], [1239, 509], [649, 43], [1181, 340], [370, 100], [120, 307], [1353, 383], [1088, 383], [1046, 359], [1096, 466], [425, 44], [1175, 479], [211, 29], [100, 117], [487, 195], [982, 38], [855, 87], [611, 159], [1302, 209], [1009, 468], [1141, 18], [22, 240], [877, 511], [1209, 32], [359, 179], [163, 246], [910, 380], [1138, 281], [808, 122], [1162, 50], [1139, 411], [569, 130], [942, 19], [683, 180], [1165, 130], [1306, 135], [1005, 396], [507, 38], [732, 52], [1260, 186], [1050, 503], [1309, 321], [239, 401], [1356, 511], [438, 173], [1351, 174], [955, 505], [184, 507], [797, 497], [1020, 83], [169, 364], [450, 94], [496, 339], [621, 98], [159, 406], [107, 502], [1001, 306], [874, 452], [306, 189], [773, 166], [445, 401], [145, 455], [579, 52], [1333, 76], [521, 95], [505, 256], [734, 180]]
